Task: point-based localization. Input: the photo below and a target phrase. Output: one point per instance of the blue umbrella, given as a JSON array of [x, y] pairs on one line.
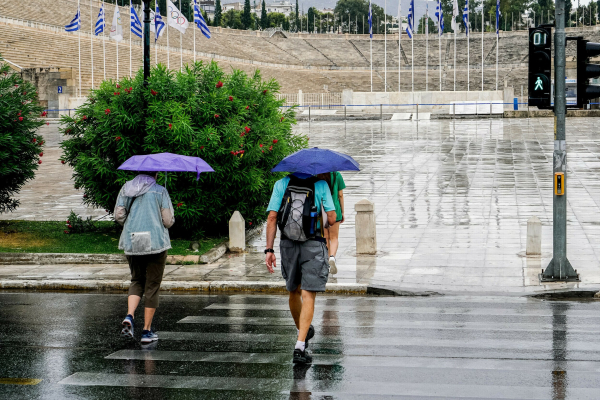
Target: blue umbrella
[[316, 161]]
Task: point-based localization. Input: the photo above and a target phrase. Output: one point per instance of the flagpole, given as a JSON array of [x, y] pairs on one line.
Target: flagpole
[[92, 39], [385, 45], [194, 22], [104, 39], [455, 60], [427, 47], [412, 48], [79, 36], [399, 43], [130, 15], [468, 54], [180, 45], [370, 40], [497, 34], [168, 48], [440, 40], [482, 17]]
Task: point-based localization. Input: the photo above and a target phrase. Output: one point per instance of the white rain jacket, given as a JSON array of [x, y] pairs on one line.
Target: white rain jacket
[[145, 210]]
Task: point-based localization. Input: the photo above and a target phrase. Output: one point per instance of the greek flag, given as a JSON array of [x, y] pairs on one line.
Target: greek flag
[[159, 25], [75, 24], [200, 22], [136, 26], [497, 17], [100, 23], [439, 13], [370, 19], [466, 17], [411, 19]]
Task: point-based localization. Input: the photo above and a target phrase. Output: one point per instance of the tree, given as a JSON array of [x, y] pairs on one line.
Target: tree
[[298, 17], [21, 148], [162, 7], [233, 122], [286, 24], [358, 8], [276, 20], [568, 10], [264, 21], [311, 19], [217, 17], [246, 15], [232, 19], [421, 26]]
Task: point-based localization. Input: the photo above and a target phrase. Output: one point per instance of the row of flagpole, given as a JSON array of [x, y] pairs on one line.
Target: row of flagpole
[[440, 23], [174, 18]]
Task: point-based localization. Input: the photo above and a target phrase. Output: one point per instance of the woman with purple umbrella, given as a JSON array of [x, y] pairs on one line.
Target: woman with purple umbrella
[[145, 210]]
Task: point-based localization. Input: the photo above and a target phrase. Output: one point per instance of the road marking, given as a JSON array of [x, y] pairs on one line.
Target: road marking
[[301, 385], [19, 381]]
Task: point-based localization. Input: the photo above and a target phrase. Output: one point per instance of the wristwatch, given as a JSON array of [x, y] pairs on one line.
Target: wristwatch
[[269, 251]]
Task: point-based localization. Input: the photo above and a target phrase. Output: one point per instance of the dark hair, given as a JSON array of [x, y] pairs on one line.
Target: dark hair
[[327, 178]]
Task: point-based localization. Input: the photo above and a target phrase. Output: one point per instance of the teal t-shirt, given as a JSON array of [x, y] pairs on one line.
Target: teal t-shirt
[[322, 195]]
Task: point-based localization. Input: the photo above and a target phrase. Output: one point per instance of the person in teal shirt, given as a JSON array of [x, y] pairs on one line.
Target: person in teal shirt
[[337, 186], [303, 264]]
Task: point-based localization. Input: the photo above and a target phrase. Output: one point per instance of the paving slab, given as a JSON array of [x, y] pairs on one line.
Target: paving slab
[[452, 199]]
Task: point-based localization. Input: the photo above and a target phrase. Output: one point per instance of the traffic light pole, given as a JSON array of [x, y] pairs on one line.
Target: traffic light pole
[[559, 268]]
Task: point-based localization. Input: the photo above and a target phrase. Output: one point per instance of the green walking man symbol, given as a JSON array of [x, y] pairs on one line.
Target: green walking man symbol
[[538, 84]]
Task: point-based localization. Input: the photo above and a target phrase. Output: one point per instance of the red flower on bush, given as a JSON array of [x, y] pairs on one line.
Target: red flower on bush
[[249, 223], [260, 145], [281, 120], [44, 114], [39, 161], [34, 140], [270, 147], [47, 123], [85, 196], [216, 115], [70, 226], [275, 140], [118, 86], [219, 84], [247, 129], [41, 143], [247, 107], [118, 138], [66, 232], [107, 111], [153, 92], [117, 93], [62, 161], [20, 118], [19, 113], [16, 85], [242, 134], [84, 117], [265, 91], [179, 205], [201, 147], [41, 154], [170, 126], [68, 131], [68, 222], [230, 98]]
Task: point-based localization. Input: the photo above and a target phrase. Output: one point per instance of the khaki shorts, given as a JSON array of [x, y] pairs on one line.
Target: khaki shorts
[[146, 276], [305, 264]]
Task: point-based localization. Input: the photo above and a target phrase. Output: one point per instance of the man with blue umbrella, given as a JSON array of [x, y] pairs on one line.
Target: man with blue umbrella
[[297, 206]]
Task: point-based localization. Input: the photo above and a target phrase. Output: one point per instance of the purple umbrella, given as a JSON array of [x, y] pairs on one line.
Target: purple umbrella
[[166, 162]]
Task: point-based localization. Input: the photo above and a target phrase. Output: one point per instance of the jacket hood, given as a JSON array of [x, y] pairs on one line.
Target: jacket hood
[[138, 186]]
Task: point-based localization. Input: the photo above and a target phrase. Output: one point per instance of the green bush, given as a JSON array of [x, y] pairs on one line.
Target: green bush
[[21, 148], [233, 122], [76, 224]]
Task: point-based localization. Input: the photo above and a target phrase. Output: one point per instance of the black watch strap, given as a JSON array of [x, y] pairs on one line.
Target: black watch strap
[[269, 251]]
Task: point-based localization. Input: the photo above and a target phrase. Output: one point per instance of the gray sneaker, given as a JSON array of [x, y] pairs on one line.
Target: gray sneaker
[[127, 324], [332, 265]]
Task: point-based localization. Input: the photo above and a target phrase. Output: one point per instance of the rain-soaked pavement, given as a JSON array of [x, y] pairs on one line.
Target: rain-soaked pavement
[[452, 199], [239, 346]]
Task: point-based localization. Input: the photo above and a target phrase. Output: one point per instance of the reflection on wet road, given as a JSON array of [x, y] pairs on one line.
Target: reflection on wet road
[[239, 346]]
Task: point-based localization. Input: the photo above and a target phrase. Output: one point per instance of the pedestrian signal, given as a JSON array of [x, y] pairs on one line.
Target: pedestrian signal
[[540, 67], [585, 71]]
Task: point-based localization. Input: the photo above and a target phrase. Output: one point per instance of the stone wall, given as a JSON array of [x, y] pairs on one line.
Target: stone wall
[[48, 80]]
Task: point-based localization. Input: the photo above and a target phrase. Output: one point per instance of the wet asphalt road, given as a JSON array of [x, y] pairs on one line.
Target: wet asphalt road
[[240, 346]]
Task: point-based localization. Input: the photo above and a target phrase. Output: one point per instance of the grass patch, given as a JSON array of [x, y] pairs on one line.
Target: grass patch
[[49, 237]]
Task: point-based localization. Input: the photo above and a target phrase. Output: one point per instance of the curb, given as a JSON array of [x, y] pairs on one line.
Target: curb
[[172, 286]]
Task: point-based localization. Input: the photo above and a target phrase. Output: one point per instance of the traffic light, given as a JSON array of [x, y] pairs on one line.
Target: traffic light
[[585, 71], [540, 67]]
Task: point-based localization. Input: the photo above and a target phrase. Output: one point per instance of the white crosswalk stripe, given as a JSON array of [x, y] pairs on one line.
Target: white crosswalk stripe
[[376, 348]]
